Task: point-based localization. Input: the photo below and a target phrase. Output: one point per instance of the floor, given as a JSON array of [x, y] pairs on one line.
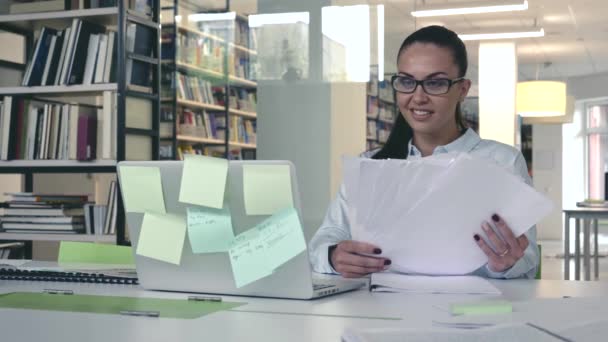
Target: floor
[[553, 263]]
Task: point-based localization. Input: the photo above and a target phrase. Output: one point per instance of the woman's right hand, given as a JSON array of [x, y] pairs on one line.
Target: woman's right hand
[[348, 259]]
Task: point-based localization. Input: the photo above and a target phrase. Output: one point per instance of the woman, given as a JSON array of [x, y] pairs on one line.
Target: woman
[[430, 84]]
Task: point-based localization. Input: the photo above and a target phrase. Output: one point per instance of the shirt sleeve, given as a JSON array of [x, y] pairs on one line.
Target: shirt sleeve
[[335, 228], [528, 264]]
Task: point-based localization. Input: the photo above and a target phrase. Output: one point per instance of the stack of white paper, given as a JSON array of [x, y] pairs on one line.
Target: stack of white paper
[[424, 212], [392, 282]]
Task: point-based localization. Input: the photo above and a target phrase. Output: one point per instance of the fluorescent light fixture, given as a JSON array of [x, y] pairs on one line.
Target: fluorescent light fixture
[[503, 35], [380, 12], [258, 20], [212, 16], [472, 8]]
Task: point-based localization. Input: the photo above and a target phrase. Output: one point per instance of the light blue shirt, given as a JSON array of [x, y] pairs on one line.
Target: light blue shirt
[[336, 227]]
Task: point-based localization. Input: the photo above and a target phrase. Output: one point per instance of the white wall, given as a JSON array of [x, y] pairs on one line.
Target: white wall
[[547, 176]]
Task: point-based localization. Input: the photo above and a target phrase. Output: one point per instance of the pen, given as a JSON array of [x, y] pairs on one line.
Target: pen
[[57, 291], [205, 299], [140, 313]]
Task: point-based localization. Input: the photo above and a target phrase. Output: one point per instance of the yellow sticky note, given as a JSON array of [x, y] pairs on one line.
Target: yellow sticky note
[[142, 189], [210, 230], [162, 237], [266, 189], [203, 181], [484, 307]]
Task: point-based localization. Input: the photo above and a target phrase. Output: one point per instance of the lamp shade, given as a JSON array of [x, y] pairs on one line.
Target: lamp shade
[[541, 99]]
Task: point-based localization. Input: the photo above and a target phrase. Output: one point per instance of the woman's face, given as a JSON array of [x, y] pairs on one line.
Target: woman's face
[[430, 114]]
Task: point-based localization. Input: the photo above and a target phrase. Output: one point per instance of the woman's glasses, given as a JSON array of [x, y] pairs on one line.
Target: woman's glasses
[[431, 86]]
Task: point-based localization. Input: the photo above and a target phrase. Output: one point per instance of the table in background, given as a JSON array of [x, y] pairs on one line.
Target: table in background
[[588, 216]]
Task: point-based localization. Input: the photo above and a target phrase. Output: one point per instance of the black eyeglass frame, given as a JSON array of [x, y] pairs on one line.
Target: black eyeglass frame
[[421, 83]]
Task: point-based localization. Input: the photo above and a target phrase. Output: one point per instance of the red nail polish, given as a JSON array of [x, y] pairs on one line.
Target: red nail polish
[[495, 218], [476, 236]]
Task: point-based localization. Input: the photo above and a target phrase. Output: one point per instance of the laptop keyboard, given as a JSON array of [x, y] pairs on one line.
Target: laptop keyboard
[[317, 287]]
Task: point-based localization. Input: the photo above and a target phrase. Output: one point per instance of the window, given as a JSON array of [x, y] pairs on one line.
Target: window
[[596, 131]]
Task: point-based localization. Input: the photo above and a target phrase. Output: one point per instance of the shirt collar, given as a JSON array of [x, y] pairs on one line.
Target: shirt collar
[[465, 143]]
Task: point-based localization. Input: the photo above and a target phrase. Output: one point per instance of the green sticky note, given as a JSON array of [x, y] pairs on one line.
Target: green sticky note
[[209, 230], [167, 308], [248, 258], [488, 307], [162, 237], [203, 181], [282, 237], [266, 189], [142, 189], [94, 253]]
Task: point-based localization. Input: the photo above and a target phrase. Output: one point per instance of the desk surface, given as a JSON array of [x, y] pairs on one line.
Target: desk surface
[[279, 319]]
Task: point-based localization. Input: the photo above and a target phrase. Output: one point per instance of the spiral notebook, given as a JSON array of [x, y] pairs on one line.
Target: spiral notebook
[[101, 277]]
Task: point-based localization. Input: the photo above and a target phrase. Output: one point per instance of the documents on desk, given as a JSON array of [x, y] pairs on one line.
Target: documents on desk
[[506, 332], [423, 212], [394, 282]]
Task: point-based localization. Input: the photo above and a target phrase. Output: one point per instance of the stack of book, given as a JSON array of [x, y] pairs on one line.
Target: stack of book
[[202, 124], [28, 212], [242, 130], [39, 129]]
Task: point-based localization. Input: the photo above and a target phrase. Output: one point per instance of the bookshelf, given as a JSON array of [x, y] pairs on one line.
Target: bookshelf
[[209, 88], [381, 110], [124, 100]]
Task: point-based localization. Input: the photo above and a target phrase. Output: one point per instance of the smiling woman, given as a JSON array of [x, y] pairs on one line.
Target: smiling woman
[[430, 84]]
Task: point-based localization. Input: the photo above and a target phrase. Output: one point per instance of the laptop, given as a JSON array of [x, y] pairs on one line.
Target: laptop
[[211, 272]]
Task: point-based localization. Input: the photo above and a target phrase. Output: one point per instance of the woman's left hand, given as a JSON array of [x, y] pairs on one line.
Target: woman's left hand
[[509, 249]]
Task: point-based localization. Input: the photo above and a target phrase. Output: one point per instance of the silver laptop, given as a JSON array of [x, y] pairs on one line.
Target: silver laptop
[[212, 272]]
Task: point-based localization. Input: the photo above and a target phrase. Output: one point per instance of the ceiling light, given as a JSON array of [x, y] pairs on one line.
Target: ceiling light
[[541, 98], [503, 35], [471, 8]]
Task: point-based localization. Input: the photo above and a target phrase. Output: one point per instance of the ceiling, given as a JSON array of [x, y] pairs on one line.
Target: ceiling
[[575, 41]]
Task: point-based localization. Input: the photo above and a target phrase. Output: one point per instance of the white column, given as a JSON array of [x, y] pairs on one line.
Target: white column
[[497, 87]]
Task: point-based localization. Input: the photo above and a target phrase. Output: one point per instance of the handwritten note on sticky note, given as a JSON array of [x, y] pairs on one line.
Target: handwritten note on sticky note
[[162, 237], [203, 181], [282, 237], [248, 258], [266, 189], [142, 189], [487, 307], [209, 230]]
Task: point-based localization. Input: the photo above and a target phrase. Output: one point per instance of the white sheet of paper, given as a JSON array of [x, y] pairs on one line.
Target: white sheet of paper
[[504, 332], [395, 282], [427, 226], [436, 237]]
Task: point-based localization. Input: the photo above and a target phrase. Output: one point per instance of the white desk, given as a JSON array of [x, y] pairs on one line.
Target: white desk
[[587, 216], [278, 319]]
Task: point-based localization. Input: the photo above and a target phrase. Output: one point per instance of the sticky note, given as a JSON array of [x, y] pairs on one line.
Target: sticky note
[[142, 189], [266, 189], [203, 181], [96, 253], [488, 307], [209, 230], [162, 237], [248, 258], [282, 237]]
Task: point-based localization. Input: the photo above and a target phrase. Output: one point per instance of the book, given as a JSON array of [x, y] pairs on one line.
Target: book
[[35, 68], [37, 6], [84, 34], [87, 137], [41, 226]]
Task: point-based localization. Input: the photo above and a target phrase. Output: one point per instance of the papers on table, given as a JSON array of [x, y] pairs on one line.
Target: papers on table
[[424, 212], [394, 282], [504, 332]]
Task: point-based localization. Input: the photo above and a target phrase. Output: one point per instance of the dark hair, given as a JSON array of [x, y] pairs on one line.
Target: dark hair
[[395, 146]]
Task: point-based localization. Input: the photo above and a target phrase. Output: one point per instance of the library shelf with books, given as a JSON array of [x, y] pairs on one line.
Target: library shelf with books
[[89, 95], [208, 84], [381, 110]]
